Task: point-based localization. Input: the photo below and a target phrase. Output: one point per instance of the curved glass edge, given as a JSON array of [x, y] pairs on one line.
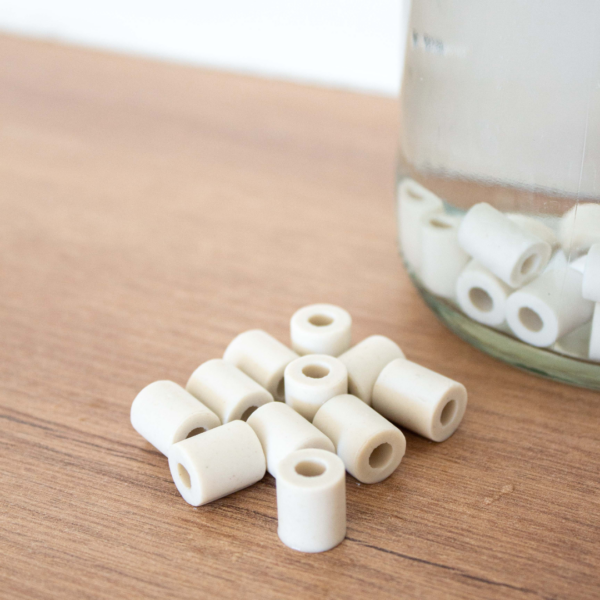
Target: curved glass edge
[[538, 361]]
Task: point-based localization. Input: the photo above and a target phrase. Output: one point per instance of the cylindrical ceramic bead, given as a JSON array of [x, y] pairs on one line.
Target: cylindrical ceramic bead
[[164, 413], [281, 431], [576, 343], [590, 289], [442, 259], [261, 357], [420, 399], [312, 380], [321, 329], [218, 463], [226, 390], [481, 295], [512, 254], [414, 203], [579, 265], [558, 261], [548, 308], [536, 227], [370, 446], [594, 350], [311, 501], [365, 361], [580, 228]]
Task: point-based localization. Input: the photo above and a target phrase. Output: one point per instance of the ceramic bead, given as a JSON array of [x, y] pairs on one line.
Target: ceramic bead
[[580, 228], [226, 390], [312, 380], [558, 261], [261, 357], [548, 308], [311, 501], [590, 289], [321, 329], [414, 203], [419, 399], [281, 431], [579, 265], [576, 343], [218, 463], [512, 254], [594, 349], [164, 413], [370, 446], [365, 361], [481, 295], [535, 227], [442, 259]]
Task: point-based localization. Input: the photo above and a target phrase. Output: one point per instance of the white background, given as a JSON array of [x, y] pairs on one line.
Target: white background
[[352, 44]]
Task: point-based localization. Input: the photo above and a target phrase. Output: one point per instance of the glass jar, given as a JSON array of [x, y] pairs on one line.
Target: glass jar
[[499, 177]]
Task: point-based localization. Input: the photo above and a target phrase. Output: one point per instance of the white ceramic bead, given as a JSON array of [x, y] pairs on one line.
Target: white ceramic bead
[[420, 399], [442, 259], [311, 501], [281, 431], [576, 343], [579, 265], [321, 329], [481, 295], [590, 289], [414, 203], [163, 413], [261, 357], [365, 361], [509, 252], [218, 463], [370, 446], [580, 227], [226, 390], [594, 350], [312, 380], [536, 227], [548, 308], [558, 261]]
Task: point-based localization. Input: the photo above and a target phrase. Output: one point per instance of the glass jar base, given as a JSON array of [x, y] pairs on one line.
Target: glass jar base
[[538, 361]]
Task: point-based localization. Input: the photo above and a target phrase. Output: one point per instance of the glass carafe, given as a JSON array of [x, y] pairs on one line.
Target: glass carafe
[[499, 177]]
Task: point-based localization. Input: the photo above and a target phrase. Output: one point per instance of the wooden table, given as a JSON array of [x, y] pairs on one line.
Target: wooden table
[[148, 214]]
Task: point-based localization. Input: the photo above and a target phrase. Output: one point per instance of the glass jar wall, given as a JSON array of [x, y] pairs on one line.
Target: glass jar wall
[[499, 177]]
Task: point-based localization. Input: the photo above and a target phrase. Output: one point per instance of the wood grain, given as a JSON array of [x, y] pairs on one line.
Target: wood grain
[[149, 213]]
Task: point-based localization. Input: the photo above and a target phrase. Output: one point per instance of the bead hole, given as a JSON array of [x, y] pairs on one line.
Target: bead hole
[[437, 222], [194, 432], [530, 319], [413, 194], [448, 412], [529, 264], [320, 320], [184, 475], [480, 299], [248, 412], [315, 371], [310, 468], [381, 456]]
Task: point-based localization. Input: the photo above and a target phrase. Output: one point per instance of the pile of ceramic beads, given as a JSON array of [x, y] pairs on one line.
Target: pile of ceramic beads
[[511, 272], [306, 415]]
